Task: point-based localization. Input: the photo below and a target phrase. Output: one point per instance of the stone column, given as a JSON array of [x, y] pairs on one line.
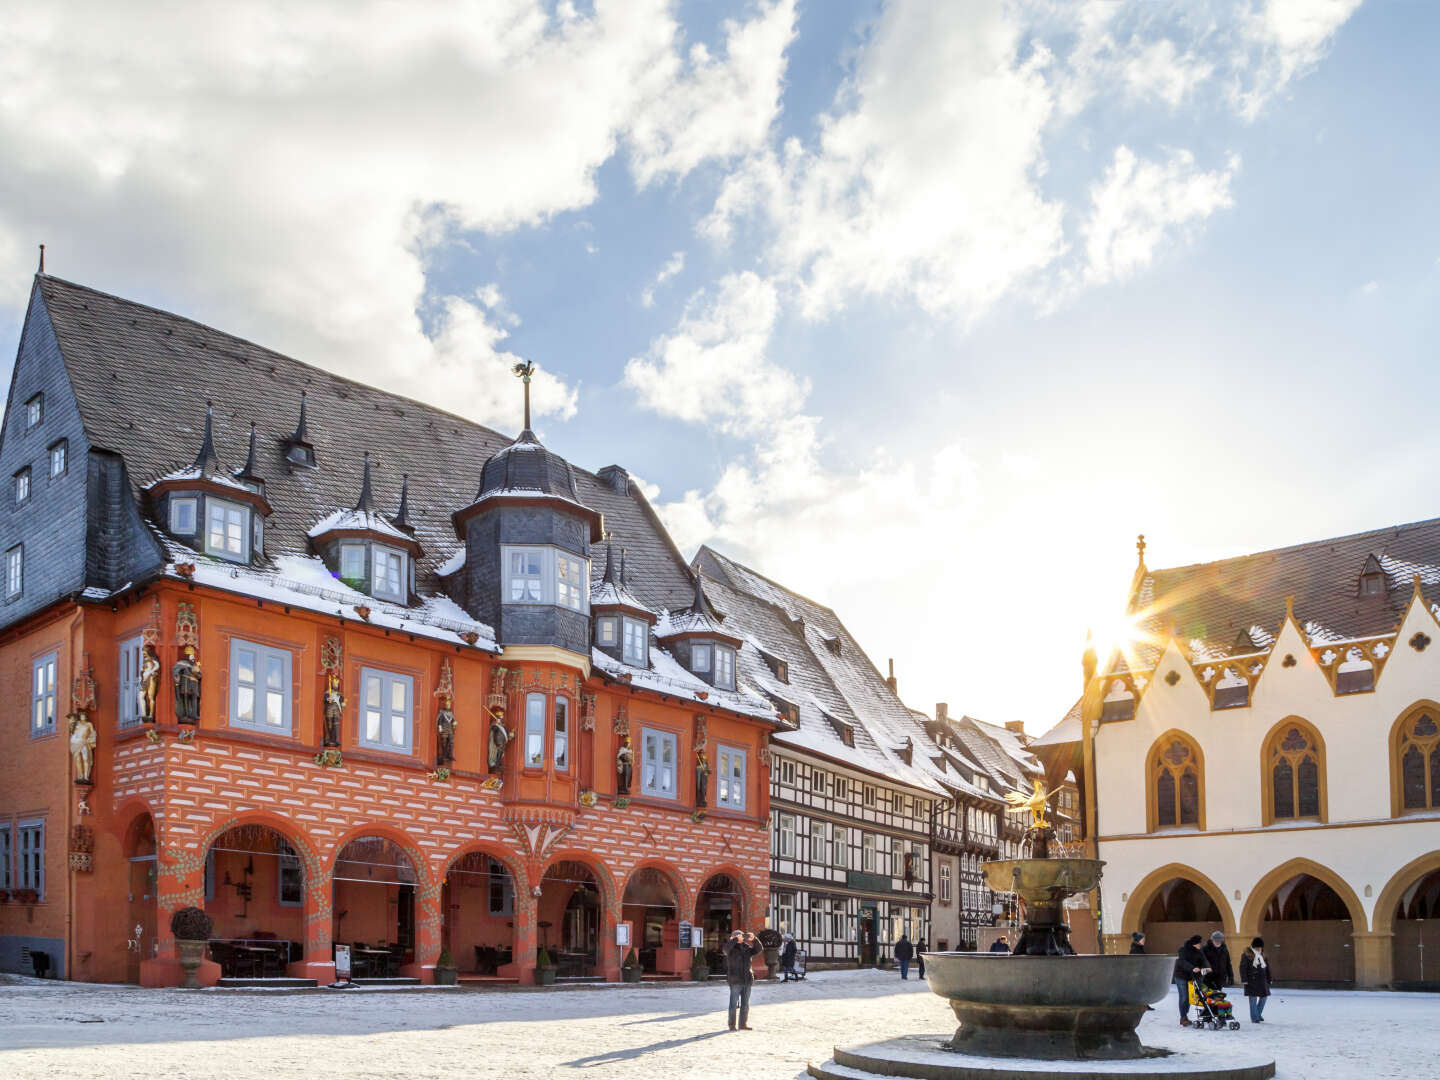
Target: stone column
[[427, 932], [179, 883], [607, 956], [526, 941], [318, 961], [1374, 959]]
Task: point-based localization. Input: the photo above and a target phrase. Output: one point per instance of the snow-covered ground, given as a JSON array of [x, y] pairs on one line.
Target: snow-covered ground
[[57, 1030]]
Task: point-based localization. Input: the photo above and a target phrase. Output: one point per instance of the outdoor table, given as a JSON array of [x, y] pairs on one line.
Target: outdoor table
[[376, 958]]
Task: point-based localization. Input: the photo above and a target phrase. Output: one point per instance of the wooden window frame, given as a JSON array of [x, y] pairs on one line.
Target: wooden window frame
[[259, 689], [1269, 747], [45, 697], [1397, 779], [1152, 775], [127, 681], [387, 679]]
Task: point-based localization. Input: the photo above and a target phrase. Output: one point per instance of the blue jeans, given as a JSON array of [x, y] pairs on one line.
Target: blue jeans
[[904, 969], [1183, 986], [740, 999], [1257, 1008]]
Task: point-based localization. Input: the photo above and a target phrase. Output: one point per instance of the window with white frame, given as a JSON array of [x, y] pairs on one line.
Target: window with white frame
[[867, 852], [128, 708], [869, 795], [637, 642], [945, 883], [385, 710], [260, 687], [817, 842], [22, 486], [837, 920], [545, 575], [817, 781], [785, 835], [34, 411], [534, 731], [730, 781], [842, 788], [388, 578], [605, 630], [785, 912], [352, 564], [817, 919], [6, 855], [838, 843], [59, 458], [724, 667], [42, 699], [787, 772], [658, 754], [290, 883], [700, 656], [257, 533], [227, 530], [182, 516], [15, 571], [562, 733], [30, 855]]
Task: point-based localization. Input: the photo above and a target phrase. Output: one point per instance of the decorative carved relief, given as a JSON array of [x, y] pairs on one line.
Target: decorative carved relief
[[587, 712]]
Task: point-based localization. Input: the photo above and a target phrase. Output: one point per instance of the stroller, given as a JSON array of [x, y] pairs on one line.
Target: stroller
[[1214, 1010], [798, 971]]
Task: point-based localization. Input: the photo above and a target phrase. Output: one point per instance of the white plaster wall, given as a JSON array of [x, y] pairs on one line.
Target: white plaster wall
[[1236, 850]]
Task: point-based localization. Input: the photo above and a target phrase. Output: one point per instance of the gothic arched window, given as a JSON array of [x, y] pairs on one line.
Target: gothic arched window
[[1176, 783], [1294, 767], [1416, 762]]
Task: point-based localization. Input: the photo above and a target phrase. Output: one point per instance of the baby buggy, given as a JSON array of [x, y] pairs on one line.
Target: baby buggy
[[1213, 1007], [798, 971]]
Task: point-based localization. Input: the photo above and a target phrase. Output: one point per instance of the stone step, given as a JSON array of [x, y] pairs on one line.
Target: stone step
[[393, 980], [237, 983]]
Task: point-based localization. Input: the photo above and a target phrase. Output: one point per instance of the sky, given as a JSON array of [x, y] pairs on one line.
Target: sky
[[923, 310]]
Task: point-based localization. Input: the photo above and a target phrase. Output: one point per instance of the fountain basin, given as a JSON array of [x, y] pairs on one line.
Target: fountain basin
[[1048, 1007], [1041, 880]]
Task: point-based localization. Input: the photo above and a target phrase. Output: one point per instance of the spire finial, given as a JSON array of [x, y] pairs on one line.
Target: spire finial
[[248, 469], [365, 497], [1290, 607], [524, 369], [610, 569], [401, 520], [1140, 547], [207, 445], [300, 428], [42, 259]]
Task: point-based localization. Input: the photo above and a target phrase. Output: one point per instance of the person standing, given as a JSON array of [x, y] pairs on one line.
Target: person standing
[[739, 948], [1137, 944], [1217, 959], [787, 959], [1189, 962], [1255, 977], [920, 956], [903, 952], [1000, 944]]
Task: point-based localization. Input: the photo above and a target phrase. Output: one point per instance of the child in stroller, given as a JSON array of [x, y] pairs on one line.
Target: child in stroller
[[1213, 1007]]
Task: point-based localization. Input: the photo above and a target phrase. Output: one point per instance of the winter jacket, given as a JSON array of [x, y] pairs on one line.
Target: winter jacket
[[787, 956], [1217, 959], [1136, 949], [1188, 961], [999, 946], [1256, 978], [904, 950], [737, 961]]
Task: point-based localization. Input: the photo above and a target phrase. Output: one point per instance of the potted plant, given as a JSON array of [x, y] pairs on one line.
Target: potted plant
[[770, 941], [191, 928], [544, 967], [699, 969], [26, 896], [445, 971], [630, 970]]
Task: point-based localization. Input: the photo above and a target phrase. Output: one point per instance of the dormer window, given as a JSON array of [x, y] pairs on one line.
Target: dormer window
[[182, 516], [546, 575], [700, 654], [1372, 585], [352, 565], [388, 577], [389, 574], [34, 411], [637, 643], [227, 531], [606, 631], [724, 667]]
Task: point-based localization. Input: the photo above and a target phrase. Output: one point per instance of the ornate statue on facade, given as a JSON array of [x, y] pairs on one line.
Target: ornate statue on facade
[[334, 710], [1034, 802], [149, 681], [444, 734], [624, 767], [82, 747], [702, 778], [499, 739], [186, 676]]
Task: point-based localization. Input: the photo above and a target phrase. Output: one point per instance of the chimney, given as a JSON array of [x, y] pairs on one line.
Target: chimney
[[1017, 726], [890, 679], [942, 711]]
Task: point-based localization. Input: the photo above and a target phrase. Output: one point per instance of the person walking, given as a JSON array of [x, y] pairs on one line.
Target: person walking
[[1000, 944], [1255, 976], [1189, 961], [1137, 943], [1217, 959], [739, 948], [920, 956], [787, 959], [903, 952]]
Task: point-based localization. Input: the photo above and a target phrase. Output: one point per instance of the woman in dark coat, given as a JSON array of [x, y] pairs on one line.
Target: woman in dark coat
[[1137, 943], [1189, 962], [1255, 975], [787, 958]]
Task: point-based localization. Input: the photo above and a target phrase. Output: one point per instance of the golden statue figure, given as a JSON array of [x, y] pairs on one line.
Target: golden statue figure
[[1034, 802], [82, 747], [149, 682]]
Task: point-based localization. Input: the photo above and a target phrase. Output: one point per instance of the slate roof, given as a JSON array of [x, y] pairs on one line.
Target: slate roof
[[142, 376], [1207, 607]]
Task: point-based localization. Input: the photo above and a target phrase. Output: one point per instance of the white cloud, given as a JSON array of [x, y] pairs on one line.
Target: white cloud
[[1139, 204], [713, 369], [1287, 38], [282, 171], [1370, 288], [673, 265]]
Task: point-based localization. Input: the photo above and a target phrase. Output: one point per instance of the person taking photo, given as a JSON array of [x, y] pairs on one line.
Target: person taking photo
[[740, 946]]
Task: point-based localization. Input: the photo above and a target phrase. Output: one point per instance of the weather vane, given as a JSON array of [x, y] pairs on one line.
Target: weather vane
[[524, 369]]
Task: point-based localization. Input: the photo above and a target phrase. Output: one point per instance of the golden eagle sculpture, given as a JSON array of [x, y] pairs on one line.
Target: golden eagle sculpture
[[1034, 802]]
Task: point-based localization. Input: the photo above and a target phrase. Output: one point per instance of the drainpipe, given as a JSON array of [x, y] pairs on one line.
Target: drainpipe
[[75, 638]]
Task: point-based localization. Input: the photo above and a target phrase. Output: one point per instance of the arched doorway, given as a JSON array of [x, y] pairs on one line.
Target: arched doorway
[[1417, 935], [478, 902], [568, 917], [652, 908], [1308, 932], [255, 897], [140, 926], [719, 909], [373, 906], [1179, 909]]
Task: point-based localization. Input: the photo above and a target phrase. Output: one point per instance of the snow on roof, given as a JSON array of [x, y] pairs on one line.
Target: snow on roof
[[452, 564], [367, 520], [667, 676], [190, 472], [608, 594], [1068, 730], [688, 622]]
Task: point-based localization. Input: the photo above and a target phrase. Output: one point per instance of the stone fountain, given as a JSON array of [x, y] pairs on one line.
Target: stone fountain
[[1041, 1010]]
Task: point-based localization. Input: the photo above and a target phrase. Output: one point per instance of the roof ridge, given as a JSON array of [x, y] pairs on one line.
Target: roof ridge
[[768, 580], [1395, 529]]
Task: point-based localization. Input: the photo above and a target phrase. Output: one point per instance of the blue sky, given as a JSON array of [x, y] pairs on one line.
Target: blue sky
[[925, 310]]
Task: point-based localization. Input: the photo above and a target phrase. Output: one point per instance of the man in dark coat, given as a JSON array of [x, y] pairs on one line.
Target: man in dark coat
[[1189, 961], [1137, 943], [1217, 959], [920, 956], [1255, 976], [903, 953], [1000, 944], [739, 948]]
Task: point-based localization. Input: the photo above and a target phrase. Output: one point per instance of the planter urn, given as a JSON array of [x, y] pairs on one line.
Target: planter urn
[[192, 955]]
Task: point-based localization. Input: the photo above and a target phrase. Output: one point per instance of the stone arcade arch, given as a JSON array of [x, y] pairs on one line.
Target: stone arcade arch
[[653, 904], [256, 879], [1408, 908], [1311, 921], [571, 917], [483, 903], [1174, 902], [382, 904], [141, 856]]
